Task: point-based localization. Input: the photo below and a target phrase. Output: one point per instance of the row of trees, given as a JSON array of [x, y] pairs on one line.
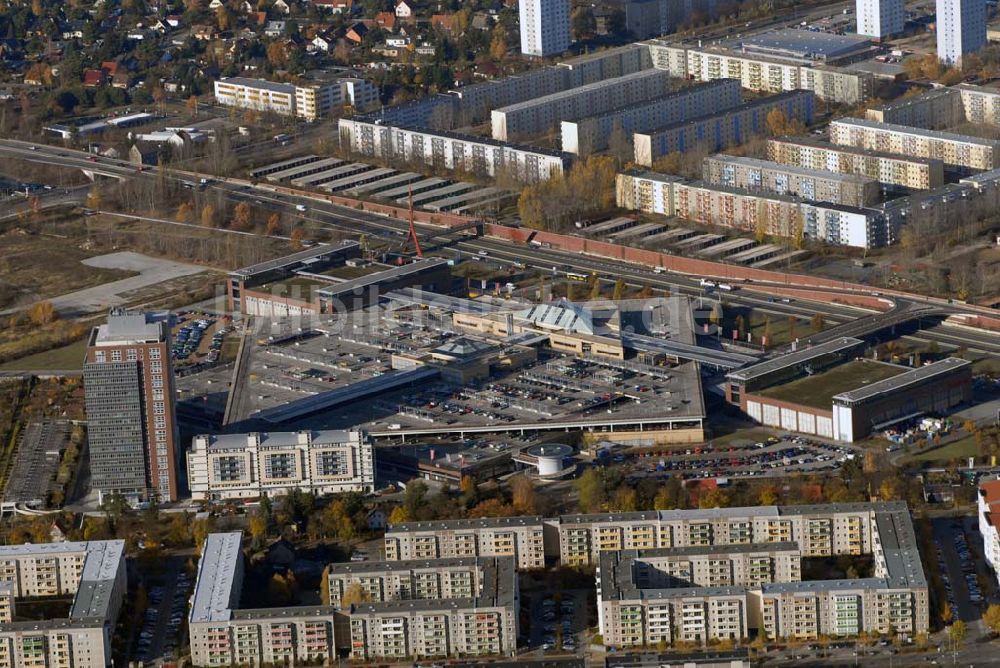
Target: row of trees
[[587, 190]]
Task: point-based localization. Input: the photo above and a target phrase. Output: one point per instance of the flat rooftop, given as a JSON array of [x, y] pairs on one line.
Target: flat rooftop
[[263, 84], [792, 359], [809, 142], [920, 132], [756, 163], [905, 378], [807, 44], [130, 327], [301, 257], [818, 390], [280, 439], [215, 587]]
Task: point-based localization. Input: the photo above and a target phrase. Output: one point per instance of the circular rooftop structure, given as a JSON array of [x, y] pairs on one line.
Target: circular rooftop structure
[[550, 457]]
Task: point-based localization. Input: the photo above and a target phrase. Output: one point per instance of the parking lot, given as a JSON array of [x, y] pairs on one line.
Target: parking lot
[[773, 456], [160, 635], [960, 567], [557, 621], [197, 338]]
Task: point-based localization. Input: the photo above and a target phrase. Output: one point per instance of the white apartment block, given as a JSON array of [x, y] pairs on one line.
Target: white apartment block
[[544, 26], [887, 168], [381, 581], [474, 613], [961, 29], [311, 102], [950, 148], [880, 18], [988, 513], [981, 104], [760, 73], [590, 134], [937, 108], [518, 537], [745, 574], [754, 211], [811, 184], [448, 150], [539, 115], [238, 466], [721, 129], [92, 572]]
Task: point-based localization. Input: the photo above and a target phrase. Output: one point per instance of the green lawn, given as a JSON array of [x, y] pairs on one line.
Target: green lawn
[[818, 390], [960, 449], [67, 358]]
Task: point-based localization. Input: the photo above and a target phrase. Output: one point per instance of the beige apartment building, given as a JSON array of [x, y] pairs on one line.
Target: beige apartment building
[[942, 108], [237, 466], [309, 101], [470, 610], [518, 537], [92, 572], [951, 149], [811, 184], [890, 169], [708, 593]]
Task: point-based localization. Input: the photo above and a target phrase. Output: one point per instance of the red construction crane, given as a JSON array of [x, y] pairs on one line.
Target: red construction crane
[[413, 230]]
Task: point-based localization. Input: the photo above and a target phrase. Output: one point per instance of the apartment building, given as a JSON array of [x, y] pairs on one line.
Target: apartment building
[[128, 383], [810, 184], [880, 18], [716, 131], [92, 572], [961, 29], [649, 596], [309, 101], [932, 110], [988, 514], [239, 466], [762, 73], [367, 136], [755, 211], [472, 611], [536, 116], [952, 149], [887, 168], [981, 104], [480, 620], [380, 581], [518, 537], [587, 135], [544, 27]]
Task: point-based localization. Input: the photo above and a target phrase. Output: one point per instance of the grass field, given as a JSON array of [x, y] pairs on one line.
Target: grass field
[[66, 358], [960, 449], [818, 390]]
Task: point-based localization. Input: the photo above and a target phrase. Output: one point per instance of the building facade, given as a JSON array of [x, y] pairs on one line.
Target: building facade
[[92, 572], [890, 169], [129, 389], [518, 537], [310, 101], [590, 134], [988, 517], [880, 18], [544, 27], [239, 466], [533, 117], [951, 149], [961, 29], [760, 73], [440, 149], [737, 570], [755, 210], [716, 131], [810, 184]]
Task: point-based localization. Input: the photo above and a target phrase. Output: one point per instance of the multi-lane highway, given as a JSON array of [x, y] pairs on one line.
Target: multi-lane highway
[[357, 222]]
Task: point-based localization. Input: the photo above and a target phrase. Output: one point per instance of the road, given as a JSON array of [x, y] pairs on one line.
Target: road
[[359, 222]]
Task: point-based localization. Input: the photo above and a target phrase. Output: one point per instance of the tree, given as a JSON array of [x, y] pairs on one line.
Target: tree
[[817, 323], [184, 212], [991, 617], [353, 595], [492, 508], [947, 614], [498, 44], [768, 496], [279, 591], [583, 23], [242, 217], [399, 515], [296, 237], [957, 632], [42, 313], [273, 225], [94, 198], [590, 489], [192, 105], [625, 500], [523, 495], [208, 216], [277, 54], [792, 324], [467, 485], [714, 498], [776, 122], [619, 289], [257, 527]]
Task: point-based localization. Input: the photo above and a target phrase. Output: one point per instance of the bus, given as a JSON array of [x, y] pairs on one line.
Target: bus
[[575, 276]]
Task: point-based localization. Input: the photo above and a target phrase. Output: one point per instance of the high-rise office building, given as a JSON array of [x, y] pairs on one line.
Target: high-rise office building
[[880, 18], [129, 387], [961, 29], [544, 27]]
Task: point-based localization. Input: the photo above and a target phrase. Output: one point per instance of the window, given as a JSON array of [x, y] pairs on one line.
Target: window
[[154, 353], [99, 356], [131, 355], [116, 356]]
